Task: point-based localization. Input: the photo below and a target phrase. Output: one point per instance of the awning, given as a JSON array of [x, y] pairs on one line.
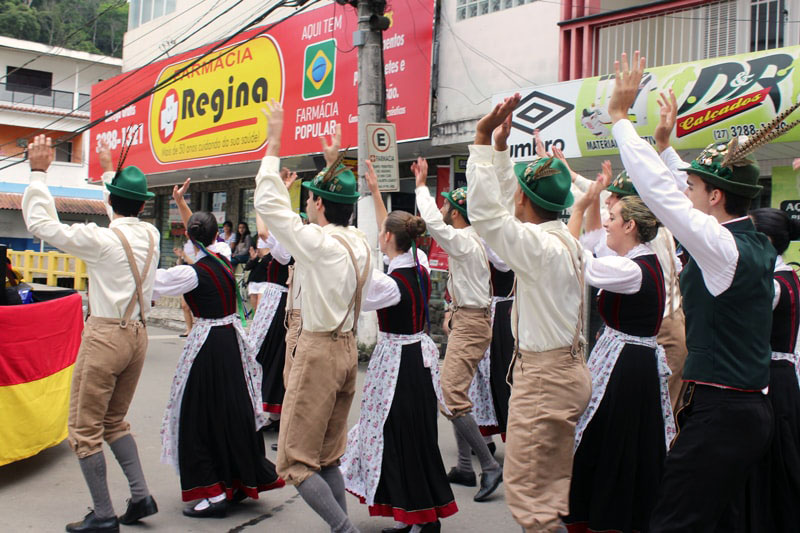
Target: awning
[[80, 206]]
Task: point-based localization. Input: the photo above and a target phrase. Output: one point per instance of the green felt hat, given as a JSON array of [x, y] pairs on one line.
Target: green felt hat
[[546, 181], [737, 176], [458, 199], [130, 183], [622, 185], [336, 183]]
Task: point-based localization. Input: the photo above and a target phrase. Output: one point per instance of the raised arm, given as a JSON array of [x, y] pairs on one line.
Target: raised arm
[[503, 167], [589, 201], [594, 217], [180, 201], [709, 242], [377, 199], [668, 116]]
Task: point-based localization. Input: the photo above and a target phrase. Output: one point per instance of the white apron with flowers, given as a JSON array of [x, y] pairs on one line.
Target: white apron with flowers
[[267, 308], [793, 358], [480, 390], [601, 365], [197, 337], [361, 463]]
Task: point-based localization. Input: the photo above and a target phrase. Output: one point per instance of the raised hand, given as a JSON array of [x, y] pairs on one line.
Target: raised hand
[[274, 114], [253, 253], [288, 177], [178, 192], [493, 119], [104, 155], [501, 134], [796, 164], [626, 85], [539, 145], [668, 115], [372, 178], [41, 153], [420, 170], [606, 175], [331, 149]]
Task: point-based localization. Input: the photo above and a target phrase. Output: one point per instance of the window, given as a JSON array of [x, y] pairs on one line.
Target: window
[[142, 11], [767, 24], [64, 152], [26, 80], [466, 9], [247, 211]]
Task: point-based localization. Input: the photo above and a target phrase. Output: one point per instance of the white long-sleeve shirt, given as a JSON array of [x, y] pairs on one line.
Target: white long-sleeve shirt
[[548, 293], [181, 279], [282, 256], [322, 264], [111, 283], [383, 290], [615, 273], [469, 280], [708, 241]]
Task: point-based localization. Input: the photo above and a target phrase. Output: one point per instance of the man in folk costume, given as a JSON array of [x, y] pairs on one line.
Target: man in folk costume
[[727, 290], [470, 288], [121, 263], [332, 261], [551, 386]]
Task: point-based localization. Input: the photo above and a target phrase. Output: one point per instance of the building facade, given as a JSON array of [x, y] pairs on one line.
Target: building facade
[[46, 89]]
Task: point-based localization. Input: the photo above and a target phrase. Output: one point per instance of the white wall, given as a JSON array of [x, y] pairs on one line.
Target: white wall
[[513, 48], [59, 175]]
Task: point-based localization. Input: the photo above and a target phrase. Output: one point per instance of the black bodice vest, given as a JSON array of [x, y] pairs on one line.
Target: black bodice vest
[[502, 282], [786, 316], [408, 316], [637, 314], [215, 295], [278, 273]]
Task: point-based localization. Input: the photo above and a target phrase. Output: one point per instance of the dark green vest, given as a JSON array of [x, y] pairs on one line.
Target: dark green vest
[[728, 335]]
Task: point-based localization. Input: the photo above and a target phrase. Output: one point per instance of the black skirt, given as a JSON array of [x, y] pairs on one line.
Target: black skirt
[[500, 355], [773, 488], [219, 449], [413, 487], [271, 356], [619, 462]]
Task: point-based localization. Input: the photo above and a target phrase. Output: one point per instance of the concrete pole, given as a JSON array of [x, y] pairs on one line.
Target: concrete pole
[[371, 97]]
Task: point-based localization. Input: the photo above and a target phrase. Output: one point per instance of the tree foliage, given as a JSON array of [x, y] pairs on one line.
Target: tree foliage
[[95, 26]]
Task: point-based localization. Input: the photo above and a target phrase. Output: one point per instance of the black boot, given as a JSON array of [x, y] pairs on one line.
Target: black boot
[[92, 524], [138, 510]]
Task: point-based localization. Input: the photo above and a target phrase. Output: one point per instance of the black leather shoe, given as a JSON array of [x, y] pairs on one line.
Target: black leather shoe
[[396, 529], [138, 510], [214, 510], [238, 496], [92, 524], [461, 478], [431, 527], [489, 482]]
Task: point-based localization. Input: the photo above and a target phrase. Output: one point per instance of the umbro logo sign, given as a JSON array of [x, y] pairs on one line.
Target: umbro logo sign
[[538, 110]]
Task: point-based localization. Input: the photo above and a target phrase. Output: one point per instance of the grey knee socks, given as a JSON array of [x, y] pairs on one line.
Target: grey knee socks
[[94, 472], [464, 452], [468, 429], [333, 477], [318, 495], [127, 456]]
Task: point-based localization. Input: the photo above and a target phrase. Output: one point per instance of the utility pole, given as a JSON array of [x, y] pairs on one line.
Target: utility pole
[[371, 108]]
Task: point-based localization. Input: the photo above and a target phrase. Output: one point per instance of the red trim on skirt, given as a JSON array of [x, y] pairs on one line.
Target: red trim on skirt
[[272, 408], [410, 517], [488, 431], [216, 489]]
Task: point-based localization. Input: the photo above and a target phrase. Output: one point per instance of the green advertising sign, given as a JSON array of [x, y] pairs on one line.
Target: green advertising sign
[[717, 99], [786, 196]]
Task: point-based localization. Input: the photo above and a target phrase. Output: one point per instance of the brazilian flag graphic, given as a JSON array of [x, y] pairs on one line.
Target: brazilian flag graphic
[[319, 70]]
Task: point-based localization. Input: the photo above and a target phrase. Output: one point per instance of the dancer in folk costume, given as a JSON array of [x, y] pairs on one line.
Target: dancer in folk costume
[[268, 330], [121, 262], [777, 479], [392, 462], [551, 385], [257, 268], [469, 286], [210, 427], [622, 438], [332, 262], [725, 423]]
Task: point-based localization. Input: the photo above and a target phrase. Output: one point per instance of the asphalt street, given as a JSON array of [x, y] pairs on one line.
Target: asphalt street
[[46, 491]]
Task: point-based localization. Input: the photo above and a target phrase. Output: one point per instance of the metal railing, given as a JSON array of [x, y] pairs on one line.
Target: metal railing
[[52, 265], [45, 98]]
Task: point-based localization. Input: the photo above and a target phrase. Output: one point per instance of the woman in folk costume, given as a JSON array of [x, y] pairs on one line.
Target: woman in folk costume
[[392, 462], [779, 474], [622, 438], [268, 331], [489, 391], [210, 427]]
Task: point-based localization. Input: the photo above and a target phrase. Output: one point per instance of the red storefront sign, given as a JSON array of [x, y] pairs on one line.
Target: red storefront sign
[[211, 114], [437, 258]]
